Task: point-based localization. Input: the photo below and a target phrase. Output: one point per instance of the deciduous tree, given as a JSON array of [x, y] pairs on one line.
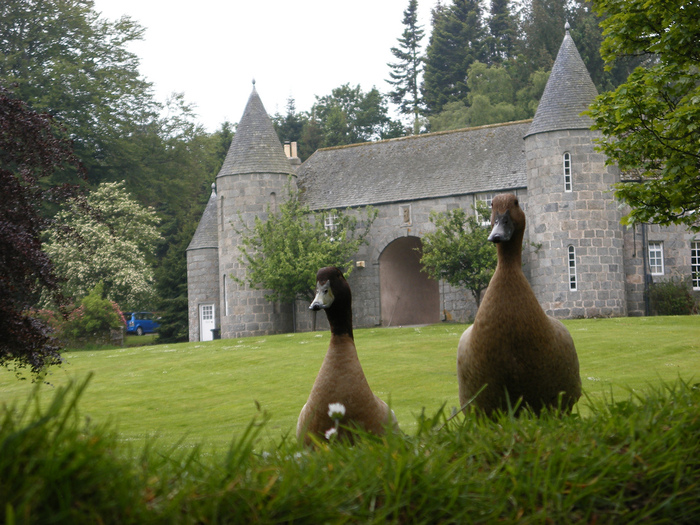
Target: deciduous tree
[[459, 252], [284, 252], [651, 122], [30, 153]]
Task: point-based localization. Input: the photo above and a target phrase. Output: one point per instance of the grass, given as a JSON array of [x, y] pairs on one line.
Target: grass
[[207, 393], [627, 462]]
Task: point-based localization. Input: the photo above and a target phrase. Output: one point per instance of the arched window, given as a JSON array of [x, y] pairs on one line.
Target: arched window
[[567, 172], [572, 269]]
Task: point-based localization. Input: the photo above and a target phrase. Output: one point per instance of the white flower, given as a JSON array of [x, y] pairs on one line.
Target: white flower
[[336, 411], [330, 433]]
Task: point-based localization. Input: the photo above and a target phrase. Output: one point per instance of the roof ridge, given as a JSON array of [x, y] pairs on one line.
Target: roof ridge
[[422, 135]]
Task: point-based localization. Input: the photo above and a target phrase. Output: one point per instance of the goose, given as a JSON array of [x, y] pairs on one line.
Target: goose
[[341, 378], [513, 350]]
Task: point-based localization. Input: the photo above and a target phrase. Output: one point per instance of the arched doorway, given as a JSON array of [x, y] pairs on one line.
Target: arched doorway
[[408, 296]]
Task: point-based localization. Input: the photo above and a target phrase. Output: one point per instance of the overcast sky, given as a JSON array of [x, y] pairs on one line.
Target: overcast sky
[[211, 50]]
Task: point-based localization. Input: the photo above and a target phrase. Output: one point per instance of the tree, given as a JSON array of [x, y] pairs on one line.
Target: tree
[[406, 72], [351, 116], [30, 152], [284, 252], [650, 123], [459, 252], [503, 32], [109, 238], [457, 40], [69, 62]]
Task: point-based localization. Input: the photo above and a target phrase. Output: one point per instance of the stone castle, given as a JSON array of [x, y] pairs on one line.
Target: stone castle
[[580, 260]]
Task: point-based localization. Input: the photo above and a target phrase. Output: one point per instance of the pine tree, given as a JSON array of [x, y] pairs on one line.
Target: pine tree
[[405, 73], [457, 40]]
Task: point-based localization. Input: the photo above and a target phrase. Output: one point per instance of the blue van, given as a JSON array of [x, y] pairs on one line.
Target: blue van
[[140, 323]]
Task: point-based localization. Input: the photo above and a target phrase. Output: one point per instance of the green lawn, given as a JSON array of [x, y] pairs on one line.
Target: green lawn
[[207, 392]]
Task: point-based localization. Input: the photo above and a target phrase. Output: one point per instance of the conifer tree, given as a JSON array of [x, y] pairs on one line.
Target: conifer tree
[[457, 40], [405, 72], [503, 32]]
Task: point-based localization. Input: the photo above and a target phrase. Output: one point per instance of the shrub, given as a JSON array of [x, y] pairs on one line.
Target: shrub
[[93, 320], [672, 297]]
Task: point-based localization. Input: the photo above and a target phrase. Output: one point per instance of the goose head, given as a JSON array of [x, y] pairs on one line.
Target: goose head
[[507, 218], [333, 295], [330, 284]]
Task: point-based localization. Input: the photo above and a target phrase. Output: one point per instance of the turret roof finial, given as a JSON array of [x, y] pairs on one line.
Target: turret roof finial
[[566, 27]]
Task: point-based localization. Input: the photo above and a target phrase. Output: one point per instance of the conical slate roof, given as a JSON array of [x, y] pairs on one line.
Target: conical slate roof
[[206, 236], [569, 92], [255, 147]]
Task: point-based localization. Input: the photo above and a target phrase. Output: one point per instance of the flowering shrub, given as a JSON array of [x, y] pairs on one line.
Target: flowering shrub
[[110, 238]]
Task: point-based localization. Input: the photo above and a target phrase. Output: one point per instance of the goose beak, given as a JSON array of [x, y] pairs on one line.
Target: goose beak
[[502, 229], [324, 297]]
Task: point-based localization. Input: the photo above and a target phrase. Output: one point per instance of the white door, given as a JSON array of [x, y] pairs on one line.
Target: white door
[[206, 322]]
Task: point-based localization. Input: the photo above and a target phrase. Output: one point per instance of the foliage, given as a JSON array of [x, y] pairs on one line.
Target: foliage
[[618, 465], [71, 63], [350, 116], [171, 286], [672, 297], [106, 238], [406, 72], [30, 153], [93, 319], [458, 250], [283, 253], [456, 41], [650, 122]]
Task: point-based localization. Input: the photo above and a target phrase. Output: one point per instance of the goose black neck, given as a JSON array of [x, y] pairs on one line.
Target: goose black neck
[[340, 319]]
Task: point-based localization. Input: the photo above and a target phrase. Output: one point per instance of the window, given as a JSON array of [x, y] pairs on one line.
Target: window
[[405, 212], [221, 212], [572, 269], [486, 198], [695, 264], [225, 295], [656, 258], [567, 172], [207, 312], [330, 222]]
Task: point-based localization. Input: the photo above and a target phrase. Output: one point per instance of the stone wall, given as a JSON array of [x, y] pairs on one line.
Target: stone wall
[[202, 285], [244, 310], [586, 218]]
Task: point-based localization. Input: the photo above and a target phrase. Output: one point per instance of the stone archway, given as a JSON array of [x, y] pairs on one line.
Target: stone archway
[[408, 296]]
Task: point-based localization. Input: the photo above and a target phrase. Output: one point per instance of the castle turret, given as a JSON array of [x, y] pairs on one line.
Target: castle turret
[[202, 275], [577, 267], [254, 175]]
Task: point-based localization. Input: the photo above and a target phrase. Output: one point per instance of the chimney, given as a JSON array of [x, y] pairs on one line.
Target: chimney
[[290, 149]]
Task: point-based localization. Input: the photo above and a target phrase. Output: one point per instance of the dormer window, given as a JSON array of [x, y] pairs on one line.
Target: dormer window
[[567, 172]]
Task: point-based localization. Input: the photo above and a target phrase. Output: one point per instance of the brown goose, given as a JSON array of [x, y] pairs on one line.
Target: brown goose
[[341, 379], [513, 346]]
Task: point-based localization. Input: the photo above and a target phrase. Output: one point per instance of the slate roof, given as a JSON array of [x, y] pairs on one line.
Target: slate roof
[[487, 158], [255, 147], [569, 91], [206, 236]]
